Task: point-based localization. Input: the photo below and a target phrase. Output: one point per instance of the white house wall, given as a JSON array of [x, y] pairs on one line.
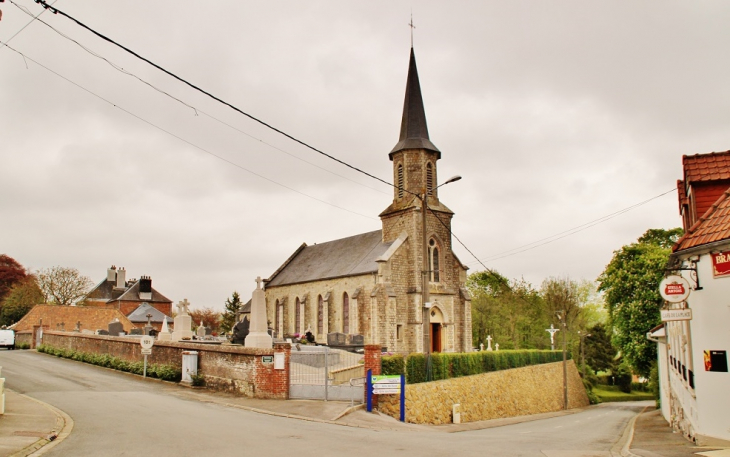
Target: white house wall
[[708, 404]]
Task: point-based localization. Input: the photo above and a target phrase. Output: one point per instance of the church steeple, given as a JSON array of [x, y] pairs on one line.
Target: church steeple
[[413, 130]]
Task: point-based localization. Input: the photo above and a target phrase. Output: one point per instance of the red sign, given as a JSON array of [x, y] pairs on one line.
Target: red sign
[[674, 289], [721, 264]]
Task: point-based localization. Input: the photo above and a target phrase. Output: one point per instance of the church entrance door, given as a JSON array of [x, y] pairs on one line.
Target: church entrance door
[[436, 337]]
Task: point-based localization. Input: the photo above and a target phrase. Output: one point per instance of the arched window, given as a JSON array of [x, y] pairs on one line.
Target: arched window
[[320, 315], [297, 316], [345, 313], [276, 318], [434, 260], [429, 177], [400, 180]]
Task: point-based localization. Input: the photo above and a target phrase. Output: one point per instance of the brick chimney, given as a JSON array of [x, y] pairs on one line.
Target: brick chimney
[[145, 288]]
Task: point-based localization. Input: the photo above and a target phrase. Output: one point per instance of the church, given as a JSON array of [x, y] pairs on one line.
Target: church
[[372, 284]]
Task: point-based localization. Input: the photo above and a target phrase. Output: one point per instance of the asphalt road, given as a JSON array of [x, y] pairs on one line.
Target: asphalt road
[[118, 414]]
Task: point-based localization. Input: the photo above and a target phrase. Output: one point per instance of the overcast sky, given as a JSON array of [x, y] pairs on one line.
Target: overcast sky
[[555, 113]]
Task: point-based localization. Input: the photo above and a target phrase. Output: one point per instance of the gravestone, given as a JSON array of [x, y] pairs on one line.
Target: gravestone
[[183, 322], [102, 332], [136, 331], [489, 342], [336, 339], [115, 328], [357, 340], [208, 331], [78, 327], [164, 334], [200, 332], [259, 336]]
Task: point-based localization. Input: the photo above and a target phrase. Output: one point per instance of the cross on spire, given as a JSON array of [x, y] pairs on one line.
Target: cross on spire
[[410, 24]]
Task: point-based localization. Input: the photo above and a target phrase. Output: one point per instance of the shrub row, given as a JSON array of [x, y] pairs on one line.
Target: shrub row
[[443, 365], [164, 372]]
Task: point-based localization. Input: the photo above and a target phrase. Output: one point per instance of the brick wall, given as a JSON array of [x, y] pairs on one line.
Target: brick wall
[[229, 368]]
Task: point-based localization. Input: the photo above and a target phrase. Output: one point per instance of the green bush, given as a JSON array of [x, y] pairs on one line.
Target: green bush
[[446, 365], [393, 364], [164, 372], [22, 345], [623, 378]]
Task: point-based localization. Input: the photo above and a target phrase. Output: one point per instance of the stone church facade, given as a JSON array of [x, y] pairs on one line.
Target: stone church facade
[[371, 284]]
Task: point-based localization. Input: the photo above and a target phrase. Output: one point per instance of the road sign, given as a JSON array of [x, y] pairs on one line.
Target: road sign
[[146, 351], [146, 342], [386, 384]]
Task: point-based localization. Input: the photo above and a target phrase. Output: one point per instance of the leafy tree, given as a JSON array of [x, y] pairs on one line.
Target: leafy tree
[[63, 286], [23, 296], [228, 318], [599, 352], [630, 283], [11, 272], [508, 311], [208, 316]]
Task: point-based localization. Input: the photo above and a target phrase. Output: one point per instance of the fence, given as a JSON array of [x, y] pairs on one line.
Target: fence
[[322, 373]]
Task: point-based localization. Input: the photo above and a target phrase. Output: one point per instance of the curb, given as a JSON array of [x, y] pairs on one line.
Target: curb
[[64, 426], [624, 450]]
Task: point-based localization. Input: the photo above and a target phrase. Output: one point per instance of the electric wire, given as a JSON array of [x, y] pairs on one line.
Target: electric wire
[[120, 69], [200, 148], [26, 25], [511, 252], [193, 86], [571, 231]]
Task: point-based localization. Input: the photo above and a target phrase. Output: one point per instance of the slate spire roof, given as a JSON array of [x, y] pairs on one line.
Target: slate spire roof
[[413, 129]]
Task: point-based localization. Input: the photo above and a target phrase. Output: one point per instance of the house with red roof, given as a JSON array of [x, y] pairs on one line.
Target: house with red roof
[[127, 295], [694, 340]]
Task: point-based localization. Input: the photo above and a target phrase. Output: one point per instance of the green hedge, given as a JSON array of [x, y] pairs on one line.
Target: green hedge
[[164, 372], [453, 365]]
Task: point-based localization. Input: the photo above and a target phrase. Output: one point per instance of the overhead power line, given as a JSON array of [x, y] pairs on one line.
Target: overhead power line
[[200, 148], [566, 233], [197, 110], [193, 86]]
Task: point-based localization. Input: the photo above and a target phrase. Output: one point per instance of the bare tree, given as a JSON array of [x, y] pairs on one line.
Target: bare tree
[[63, 286]]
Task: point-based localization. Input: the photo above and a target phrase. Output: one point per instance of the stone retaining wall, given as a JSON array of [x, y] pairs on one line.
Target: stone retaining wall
[[517, 392], [229, 368]]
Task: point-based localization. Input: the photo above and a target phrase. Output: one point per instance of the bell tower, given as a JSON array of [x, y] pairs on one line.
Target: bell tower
[[415, 171]]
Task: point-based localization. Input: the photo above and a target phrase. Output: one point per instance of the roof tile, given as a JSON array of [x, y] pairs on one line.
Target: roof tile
[[713, 226]]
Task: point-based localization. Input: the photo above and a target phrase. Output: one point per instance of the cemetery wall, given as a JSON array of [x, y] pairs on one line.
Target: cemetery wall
[[508, 393], [25, 337], [234, 369]]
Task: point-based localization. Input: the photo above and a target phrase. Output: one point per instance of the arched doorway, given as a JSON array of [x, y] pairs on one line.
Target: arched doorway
[[437, 320]]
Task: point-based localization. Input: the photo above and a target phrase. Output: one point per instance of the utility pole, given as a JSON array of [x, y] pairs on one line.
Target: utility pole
[[563, 319]]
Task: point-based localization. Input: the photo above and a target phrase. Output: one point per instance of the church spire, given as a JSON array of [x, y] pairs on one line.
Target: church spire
[[413, 130]]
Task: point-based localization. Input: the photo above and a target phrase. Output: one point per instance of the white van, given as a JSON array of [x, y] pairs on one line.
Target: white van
[[7, 339]]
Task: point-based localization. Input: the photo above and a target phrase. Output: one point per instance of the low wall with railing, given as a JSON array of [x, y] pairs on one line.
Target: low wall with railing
[[232, 368], [508, 393]]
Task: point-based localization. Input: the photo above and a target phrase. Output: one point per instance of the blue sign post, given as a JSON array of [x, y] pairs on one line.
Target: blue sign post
[[387, 385]]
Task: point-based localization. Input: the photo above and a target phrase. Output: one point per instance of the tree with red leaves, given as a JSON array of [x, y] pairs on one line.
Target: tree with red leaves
[[11, 273]]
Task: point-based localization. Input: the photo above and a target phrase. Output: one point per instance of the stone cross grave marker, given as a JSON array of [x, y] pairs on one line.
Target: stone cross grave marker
[[489, 342]]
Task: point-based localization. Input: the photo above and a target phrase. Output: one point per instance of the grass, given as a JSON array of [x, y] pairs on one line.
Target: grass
[[611, 393]]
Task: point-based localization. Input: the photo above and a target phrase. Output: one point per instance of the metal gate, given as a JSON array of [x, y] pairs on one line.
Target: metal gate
[[321, 373]]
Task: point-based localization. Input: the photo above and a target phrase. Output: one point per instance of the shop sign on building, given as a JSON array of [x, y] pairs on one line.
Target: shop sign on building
[[674, 289], [721, 264], [676, 315]]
